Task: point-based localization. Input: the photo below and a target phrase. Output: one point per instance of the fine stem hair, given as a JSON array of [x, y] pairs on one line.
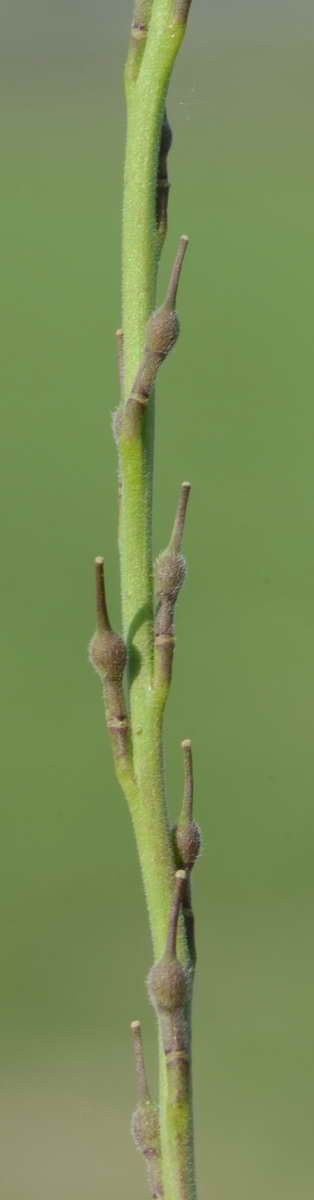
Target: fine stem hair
[[136, 666]]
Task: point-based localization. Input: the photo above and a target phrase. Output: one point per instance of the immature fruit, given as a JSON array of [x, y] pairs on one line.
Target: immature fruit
[[167, 985], [170, 571], [108, 655], [145, 1128], [162, 332], [187, 840]]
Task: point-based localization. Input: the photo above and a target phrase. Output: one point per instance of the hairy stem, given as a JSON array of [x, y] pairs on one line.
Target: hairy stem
[[149, 67], [157, 30], [146, 96]]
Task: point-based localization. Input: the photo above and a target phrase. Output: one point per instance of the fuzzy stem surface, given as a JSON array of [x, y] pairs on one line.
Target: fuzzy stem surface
[[152, 54]]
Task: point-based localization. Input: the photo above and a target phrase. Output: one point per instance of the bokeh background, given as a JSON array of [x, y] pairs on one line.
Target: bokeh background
[[235, 415]]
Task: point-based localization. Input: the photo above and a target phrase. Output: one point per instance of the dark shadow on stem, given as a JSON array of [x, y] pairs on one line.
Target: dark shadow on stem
[[143, 615]]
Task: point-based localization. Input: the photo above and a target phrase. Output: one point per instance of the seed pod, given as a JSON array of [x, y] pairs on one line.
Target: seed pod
[[167, 985], [107, 650], [167, 980], [145, 1128], [170, 566], [170, 573], [162, 333], [145, 1120], [188, 844], [163, 327], [186, 834], [108, 655]]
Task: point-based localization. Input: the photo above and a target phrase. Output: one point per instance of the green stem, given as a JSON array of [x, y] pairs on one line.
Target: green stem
[[145, 104], [147, 75]]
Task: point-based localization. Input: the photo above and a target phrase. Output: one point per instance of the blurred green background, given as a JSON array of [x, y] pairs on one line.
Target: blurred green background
[[235, 415]]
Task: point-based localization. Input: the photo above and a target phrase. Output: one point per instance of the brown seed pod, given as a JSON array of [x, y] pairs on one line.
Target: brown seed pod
[[108, 654], [162, 332], [186, 834], [163, 326], [145, 1128], [107, 650], [187, 841], [167, 981], [167, 985], [170, 573]]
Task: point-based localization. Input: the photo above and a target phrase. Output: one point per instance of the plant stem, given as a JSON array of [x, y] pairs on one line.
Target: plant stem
[[145, 108], [146, 89], [157, 30]]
